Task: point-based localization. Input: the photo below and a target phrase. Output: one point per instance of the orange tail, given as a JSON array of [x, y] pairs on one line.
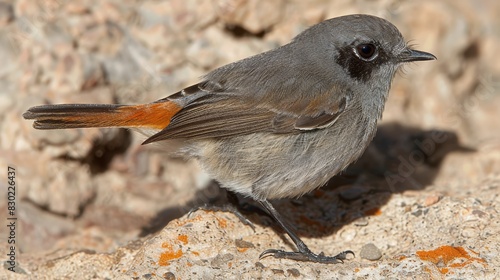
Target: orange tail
[[153, 115]]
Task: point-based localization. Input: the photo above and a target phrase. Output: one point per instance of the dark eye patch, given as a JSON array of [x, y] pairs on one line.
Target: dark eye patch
[[361, 68]]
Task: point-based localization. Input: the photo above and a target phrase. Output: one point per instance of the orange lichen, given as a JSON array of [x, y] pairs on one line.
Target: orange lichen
[[448, 256], [474, 252], [195, 253], [181, 222], [183, 238], [222, 222], [169, 254], [373, 212], [400, 258], [242, 250]]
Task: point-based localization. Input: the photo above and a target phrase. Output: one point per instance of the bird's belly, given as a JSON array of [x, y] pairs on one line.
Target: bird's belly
[[271, 166]]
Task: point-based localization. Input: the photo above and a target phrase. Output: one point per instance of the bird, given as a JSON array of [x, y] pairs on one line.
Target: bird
[[274, 125]]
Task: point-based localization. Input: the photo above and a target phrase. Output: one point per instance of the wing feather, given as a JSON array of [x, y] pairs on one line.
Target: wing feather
[[220, 115]]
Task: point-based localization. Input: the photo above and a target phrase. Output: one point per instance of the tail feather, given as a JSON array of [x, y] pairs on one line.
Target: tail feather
[[61, 116]]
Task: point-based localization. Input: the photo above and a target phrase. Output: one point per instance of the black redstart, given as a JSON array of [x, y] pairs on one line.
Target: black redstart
[[275, 125]]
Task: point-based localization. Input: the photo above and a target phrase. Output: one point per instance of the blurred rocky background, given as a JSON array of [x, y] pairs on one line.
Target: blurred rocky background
[[423, 202]]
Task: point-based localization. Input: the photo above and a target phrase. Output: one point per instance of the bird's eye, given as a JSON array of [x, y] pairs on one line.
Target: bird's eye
[[366, 51]]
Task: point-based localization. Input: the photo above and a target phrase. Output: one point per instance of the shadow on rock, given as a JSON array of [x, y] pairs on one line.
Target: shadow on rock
[[399, 159]]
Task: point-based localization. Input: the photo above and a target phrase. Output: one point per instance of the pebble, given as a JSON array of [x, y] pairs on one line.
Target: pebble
[[221, 260], [293, 272], [240, 243], [370, 252], [432, 199]]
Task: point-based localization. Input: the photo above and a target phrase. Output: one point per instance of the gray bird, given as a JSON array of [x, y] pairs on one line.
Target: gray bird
[[275, 125]]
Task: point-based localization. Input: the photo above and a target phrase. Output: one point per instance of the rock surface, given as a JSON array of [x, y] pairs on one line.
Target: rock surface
[[95, 204]]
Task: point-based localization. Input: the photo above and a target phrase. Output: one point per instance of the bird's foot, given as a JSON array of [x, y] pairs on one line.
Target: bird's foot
[[307, 256]]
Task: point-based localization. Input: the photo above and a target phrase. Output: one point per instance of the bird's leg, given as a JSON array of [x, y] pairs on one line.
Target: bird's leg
[[303, 253]]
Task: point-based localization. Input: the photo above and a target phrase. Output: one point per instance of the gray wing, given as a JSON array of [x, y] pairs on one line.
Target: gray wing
[[219, 114]]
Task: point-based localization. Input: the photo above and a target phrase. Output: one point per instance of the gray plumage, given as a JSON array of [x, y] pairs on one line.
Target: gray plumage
[[278, 124]]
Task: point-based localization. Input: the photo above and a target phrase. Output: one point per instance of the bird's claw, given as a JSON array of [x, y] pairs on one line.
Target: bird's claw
[[307, 256]]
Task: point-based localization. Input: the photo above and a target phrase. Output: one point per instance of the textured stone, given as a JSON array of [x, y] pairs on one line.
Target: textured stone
[[94, 203], [6, 13], [241, 13], [370, 252]]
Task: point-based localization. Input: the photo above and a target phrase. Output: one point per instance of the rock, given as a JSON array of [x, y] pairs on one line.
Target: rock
[[56, 195], [102, 38], [6, 14], [432, 199], [244, 13], [6, 102], [221, 260], [96, 203], [77, 8], [352, 192], [243, 245], [58, 138], [293, 272], [370, 252], [202, 245]]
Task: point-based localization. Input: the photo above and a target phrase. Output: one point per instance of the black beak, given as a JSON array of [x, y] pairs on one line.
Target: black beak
[[412, 55]]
